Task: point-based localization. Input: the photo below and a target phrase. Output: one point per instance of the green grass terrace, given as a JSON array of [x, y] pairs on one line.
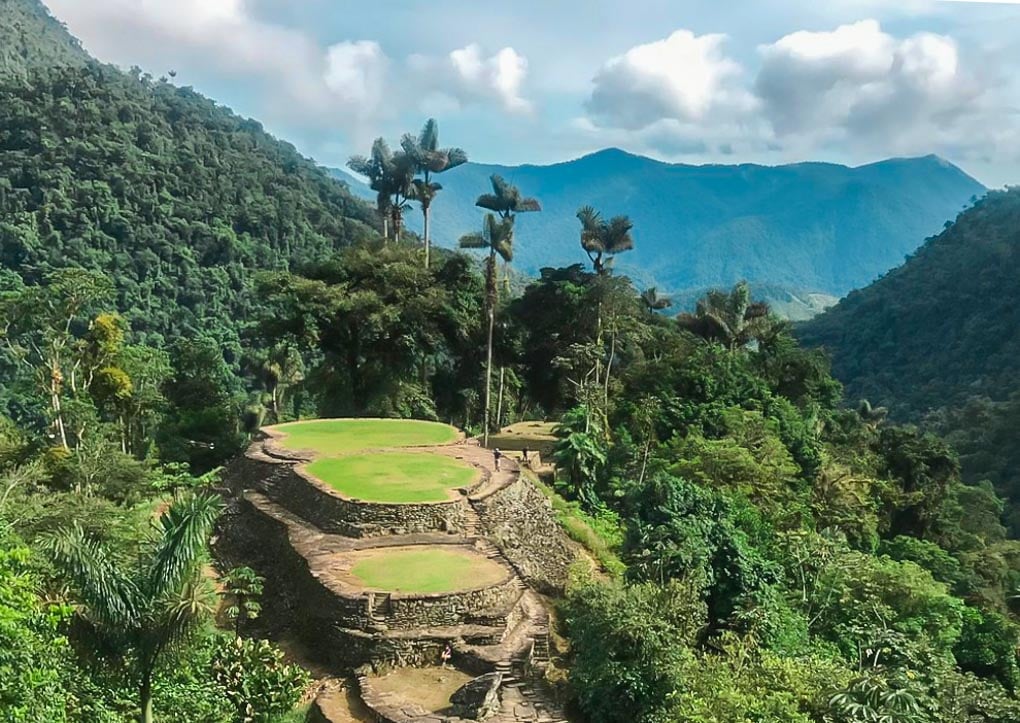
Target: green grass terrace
[[425, 570], [394, 477], [331, 437]]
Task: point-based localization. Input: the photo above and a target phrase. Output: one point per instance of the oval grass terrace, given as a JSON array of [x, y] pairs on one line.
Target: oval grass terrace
[[395, 477], [333, 437], [425, 570]]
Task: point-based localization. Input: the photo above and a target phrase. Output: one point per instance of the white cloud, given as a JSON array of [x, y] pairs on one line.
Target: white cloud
[[352, 86], [858, 81], [356, 74], [856, 91], [681, 78], [466, 75]]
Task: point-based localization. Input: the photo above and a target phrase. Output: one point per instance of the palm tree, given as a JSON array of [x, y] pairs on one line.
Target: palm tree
[[144, 611], [730, 318], [428, 158], [873, 417], [600, 237], [654, 301], [506, 200], [391, 176], [377, 168], [497, 235]]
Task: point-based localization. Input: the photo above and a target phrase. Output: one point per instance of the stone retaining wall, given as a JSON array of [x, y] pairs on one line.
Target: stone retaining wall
[[520, 520], [454, 608], [277, 560], [310, 499]]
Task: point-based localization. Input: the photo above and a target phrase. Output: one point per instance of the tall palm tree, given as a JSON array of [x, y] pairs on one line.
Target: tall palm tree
[[377, 168], [391, 176], [730, 318], [144, 611], [654, 301], [497, 235], [506, 200], [601, 237], [429, 159]]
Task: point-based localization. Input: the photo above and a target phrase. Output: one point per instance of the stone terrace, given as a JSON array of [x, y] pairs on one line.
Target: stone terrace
[[303, 537]]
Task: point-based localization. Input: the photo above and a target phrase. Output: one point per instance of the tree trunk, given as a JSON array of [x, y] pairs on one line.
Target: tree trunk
[[488, 378], [499, 399], [385, 229], [396, 213], [145, 697], [425, 212]]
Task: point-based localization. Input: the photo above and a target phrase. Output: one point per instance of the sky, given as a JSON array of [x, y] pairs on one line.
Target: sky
[[543, 81]]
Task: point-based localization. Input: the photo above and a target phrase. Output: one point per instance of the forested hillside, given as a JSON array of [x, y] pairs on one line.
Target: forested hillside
[[801, 228], [939, 338], [176, 198], [172, 278], [31, 38]]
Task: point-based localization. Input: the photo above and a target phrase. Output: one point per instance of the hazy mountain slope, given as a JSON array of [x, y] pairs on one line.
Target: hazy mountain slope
[[811, 226], [31, 37]]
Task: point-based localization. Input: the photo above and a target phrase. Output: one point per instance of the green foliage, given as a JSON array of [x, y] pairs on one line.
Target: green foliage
[[679, 529], [242, 588], [35, 658], [635, 659], [988, 647], [173, 196], [344, 317], [933, 339], [30, 37], [259, 684], [141, 615], [630, 647]]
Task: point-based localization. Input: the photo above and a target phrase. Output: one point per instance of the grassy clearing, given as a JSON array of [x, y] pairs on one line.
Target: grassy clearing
[[600, 536], [341, 436], [425, 569], [394, 477]]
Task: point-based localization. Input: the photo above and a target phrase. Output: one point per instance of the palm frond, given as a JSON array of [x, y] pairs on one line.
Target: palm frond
[[473, 241], [490, 202], [110, 597], [186, 527]]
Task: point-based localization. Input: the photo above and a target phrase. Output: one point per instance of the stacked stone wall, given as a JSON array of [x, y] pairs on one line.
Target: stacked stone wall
[[520, 520], [282, 481]]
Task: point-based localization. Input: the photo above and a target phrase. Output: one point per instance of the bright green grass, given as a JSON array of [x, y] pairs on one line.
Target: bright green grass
[[425, 570], [396, 477], [338, 436]]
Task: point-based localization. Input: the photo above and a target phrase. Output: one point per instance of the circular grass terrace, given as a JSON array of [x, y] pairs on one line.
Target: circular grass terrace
[[394, 477], [329, 437], [425, 570]]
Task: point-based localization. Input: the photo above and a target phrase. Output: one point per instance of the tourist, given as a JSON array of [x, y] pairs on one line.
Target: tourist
[[496, 456], [524, 457], [446, 655]]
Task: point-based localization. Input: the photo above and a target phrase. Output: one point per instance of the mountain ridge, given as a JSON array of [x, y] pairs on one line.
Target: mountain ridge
[[808, 227]]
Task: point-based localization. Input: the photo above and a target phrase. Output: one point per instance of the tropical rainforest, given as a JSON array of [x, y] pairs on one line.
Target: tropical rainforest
[[172, 278], [935, 341]]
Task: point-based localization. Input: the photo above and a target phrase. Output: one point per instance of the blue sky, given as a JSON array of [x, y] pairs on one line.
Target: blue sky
[[541, 81]]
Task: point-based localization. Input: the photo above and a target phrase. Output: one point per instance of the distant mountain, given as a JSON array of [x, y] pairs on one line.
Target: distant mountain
[[803, 228], [937, 340], [31, 37]]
